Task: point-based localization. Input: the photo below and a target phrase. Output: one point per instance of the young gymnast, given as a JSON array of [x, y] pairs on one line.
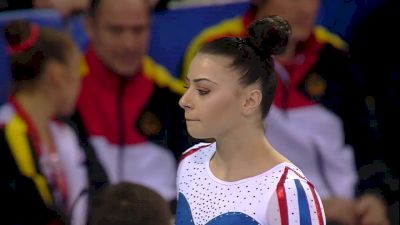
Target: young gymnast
[[240, 178]]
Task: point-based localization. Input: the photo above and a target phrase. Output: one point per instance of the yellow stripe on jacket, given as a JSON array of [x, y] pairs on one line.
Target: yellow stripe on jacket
[[16, 134], [161, 76]]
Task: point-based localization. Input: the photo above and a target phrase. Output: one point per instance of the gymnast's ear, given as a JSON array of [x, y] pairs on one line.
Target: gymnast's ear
[[251, 101]]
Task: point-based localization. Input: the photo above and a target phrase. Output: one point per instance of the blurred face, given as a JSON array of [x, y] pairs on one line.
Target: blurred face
[[212, 101], [301, 15], [70, 84], [120, 33]]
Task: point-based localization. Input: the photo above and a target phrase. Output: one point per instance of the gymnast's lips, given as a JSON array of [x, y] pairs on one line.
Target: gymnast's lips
[[191, 120]]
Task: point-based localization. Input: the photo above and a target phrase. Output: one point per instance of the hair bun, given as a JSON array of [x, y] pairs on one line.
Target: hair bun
[[269, 35], [17, 31]]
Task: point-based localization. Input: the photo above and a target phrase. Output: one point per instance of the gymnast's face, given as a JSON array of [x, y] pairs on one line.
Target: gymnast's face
[[212, 102], [70, 84]]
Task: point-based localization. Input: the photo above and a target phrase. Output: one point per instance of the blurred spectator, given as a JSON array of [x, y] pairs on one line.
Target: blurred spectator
[[130, 204], [43, 177], [128, 115], [373, 52], [319, 107]]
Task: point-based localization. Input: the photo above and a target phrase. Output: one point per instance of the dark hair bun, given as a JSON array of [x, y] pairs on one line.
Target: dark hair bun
[[17, 31], [269, 35]]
